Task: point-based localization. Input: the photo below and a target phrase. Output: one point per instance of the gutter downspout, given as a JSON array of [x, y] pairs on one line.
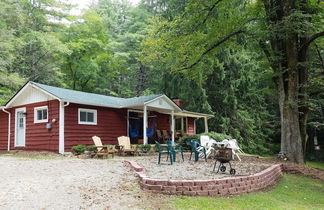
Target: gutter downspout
[[61, 126], [9, 130]]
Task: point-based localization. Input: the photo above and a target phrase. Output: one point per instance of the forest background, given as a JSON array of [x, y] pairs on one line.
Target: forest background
[[219, 56]]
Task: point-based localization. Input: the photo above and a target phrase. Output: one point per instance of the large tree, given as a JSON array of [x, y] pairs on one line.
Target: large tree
[[290, 28], [283, 30]]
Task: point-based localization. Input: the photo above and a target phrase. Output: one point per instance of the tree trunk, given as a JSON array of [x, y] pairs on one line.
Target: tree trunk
[[141, 80]]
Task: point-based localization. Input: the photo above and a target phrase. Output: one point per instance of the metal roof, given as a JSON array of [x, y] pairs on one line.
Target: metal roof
[[93, 99], [75, 96]]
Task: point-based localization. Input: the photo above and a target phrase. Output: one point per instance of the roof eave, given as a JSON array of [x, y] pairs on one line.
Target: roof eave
[[196, 114], [92, 104]]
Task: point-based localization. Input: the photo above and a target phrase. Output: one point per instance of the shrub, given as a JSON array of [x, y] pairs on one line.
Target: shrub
[[184, 141], [91, 148], [143, 147], [217, 136], [78, 149]]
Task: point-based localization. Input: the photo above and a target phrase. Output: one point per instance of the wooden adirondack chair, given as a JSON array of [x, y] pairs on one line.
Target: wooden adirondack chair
[[165, 134], [125, 145], [101, 149], [159, 136]]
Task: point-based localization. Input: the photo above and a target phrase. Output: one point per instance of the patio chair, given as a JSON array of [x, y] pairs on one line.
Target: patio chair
[[194, 149], [125, 145], [206, 143], [159, 136], [175, 149], [232, 144], [102, 150], [163, 150]]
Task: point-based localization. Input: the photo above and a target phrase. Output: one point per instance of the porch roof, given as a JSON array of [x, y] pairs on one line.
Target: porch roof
[[193, 114]]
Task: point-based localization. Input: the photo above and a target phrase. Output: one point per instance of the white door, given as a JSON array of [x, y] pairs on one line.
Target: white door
[[20, 127]]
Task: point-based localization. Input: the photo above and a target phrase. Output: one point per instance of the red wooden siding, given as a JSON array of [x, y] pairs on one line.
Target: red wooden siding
[[162, 122], [111, 123], [38, 137], [3, 131], [191, 126]]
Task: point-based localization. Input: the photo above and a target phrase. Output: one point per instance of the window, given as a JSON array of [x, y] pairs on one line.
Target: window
[[41, 114], [88, 116]]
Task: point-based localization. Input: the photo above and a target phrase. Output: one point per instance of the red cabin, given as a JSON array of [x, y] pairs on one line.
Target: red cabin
[[46, 118]]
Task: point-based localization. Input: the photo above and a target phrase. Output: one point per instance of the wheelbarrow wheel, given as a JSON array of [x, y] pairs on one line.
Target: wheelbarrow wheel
[[223, 168], [232, 171]]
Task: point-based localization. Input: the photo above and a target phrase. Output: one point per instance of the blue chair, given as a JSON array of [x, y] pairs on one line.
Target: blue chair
[[161, 150], [194, 149], [174, 150]]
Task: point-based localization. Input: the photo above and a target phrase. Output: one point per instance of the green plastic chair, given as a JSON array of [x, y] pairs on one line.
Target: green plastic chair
[[160, 149], [194, 146], [175, 149]]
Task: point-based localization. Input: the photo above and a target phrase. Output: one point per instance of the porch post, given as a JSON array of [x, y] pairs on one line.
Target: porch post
[[206, 124], [144, 124], [172, 126], [182, 124]]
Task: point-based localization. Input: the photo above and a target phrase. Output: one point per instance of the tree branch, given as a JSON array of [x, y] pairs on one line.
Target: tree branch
[[310, 40], [211, 48], [319, 56], [210, 10]]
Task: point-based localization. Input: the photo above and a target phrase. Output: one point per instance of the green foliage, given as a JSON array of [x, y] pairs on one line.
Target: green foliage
[[292, 192], [207, 53], [184, 141], [91, 148], [217, 136], [316, 155], [78, 149], [143, 147], [127, 28], [89, 59], [29, 45], [319, 165]]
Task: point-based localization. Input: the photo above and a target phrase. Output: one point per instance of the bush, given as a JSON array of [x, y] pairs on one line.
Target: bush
[[144, 147], [184, 141], [91, 148], [78, 149], [217, 136]]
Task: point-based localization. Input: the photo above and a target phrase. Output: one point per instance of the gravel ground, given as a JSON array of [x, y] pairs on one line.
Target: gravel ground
[[71, 183], [199, 170], [46, 181]]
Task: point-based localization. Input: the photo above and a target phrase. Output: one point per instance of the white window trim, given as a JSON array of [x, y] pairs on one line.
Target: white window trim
[[35, 114], [94, 111]]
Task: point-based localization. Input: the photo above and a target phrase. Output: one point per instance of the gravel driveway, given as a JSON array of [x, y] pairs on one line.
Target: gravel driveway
[[71, 183]]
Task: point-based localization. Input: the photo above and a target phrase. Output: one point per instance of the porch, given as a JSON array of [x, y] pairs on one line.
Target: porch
[[161, 115]]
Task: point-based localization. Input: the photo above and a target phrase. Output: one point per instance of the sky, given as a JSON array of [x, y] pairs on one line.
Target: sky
[[84, 4]]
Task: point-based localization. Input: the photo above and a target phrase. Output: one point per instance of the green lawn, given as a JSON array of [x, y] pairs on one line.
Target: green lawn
[[315, 164], [292, 192]]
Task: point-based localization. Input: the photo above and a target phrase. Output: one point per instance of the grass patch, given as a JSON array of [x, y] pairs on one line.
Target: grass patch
[[315, 164], [292, 192]]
